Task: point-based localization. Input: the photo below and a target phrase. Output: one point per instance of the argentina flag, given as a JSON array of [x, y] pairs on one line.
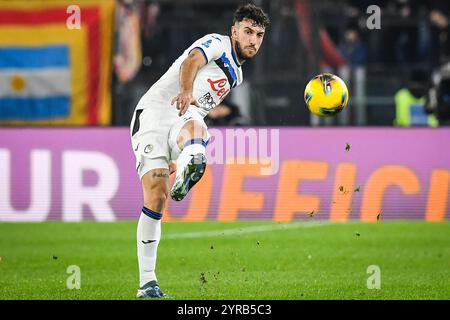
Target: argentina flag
[[35, 82], [51, 74]]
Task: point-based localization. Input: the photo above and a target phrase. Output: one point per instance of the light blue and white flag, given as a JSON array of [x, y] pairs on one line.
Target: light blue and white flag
[[35, 82]]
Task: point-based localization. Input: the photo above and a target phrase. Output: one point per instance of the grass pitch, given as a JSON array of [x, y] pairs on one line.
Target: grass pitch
[[239, 260]]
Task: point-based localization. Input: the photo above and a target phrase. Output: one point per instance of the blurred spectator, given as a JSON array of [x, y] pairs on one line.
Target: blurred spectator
[[440, 21], [319, 46], [353, 49], [225, 114], [127, 59], [438, 102], [155, 39], [149, 17], [407, 38], [128, 55], [410, 103]]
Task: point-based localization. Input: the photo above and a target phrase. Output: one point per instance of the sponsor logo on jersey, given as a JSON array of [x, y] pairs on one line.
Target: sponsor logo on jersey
[[218, 86], [206, 44], [148, 148], [207, 101]]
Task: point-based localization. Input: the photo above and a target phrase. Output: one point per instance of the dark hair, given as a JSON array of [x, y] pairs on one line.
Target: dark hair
[[252, 12]]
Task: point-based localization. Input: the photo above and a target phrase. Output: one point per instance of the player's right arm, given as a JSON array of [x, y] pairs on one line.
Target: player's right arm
[[188, 71]]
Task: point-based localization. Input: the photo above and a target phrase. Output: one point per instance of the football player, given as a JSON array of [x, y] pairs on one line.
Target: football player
[[168, 125]]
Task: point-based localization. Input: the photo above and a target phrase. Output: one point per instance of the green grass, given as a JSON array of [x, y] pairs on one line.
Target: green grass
[[324, 261]]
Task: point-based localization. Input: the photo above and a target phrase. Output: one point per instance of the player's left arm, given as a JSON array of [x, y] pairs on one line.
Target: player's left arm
[[188, 71]]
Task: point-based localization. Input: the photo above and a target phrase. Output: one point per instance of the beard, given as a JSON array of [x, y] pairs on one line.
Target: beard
[[240, 53]]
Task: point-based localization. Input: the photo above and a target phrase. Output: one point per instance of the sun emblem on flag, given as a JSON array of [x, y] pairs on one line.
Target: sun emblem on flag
[[17, 83]]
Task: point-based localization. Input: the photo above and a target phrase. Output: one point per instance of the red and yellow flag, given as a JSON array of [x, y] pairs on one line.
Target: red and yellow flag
[[55, 62]]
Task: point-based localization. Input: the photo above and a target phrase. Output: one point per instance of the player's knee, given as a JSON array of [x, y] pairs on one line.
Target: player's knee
[[191, 130], [156, 200]]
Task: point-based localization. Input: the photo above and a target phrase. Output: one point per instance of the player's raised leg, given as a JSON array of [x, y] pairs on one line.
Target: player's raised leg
[[155, 186], [191, 163]]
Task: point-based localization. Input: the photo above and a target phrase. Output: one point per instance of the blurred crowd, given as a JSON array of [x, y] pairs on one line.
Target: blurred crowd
[[414, 33], [398, 74]]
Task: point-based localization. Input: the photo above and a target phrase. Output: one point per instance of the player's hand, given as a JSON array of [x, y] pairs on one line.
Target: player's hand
[[184, 100]]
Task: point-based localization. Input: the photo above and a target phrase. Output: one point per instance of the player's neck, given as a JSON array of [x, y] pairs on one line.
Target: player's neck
[[241, 62]]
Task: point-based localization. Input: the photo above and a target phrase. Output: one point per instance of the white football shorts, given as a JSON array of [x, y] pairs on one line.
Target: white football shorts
[[154, 132]]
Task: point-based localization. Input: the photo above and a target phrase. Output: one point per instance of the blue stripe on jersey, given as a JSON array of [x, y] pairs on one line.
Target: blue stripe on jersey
[[34, 57], [226, 67]]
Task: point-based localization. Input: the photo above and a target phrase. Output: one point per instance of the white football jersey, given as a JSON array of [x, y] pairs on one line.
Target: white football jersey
[[213, 82]]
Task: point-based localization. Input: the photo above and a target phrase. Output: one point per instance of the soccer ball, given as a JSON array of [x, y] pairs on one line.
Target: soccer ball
[[326, 95]]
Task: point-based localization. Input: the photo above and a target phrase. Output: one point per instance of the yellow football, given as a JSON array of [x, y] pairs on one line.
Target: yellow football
[[326, 95]]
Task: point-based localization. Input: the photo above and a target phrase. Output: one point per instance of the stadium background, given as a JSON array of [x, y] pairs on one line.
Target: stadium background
[[65, 109]]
